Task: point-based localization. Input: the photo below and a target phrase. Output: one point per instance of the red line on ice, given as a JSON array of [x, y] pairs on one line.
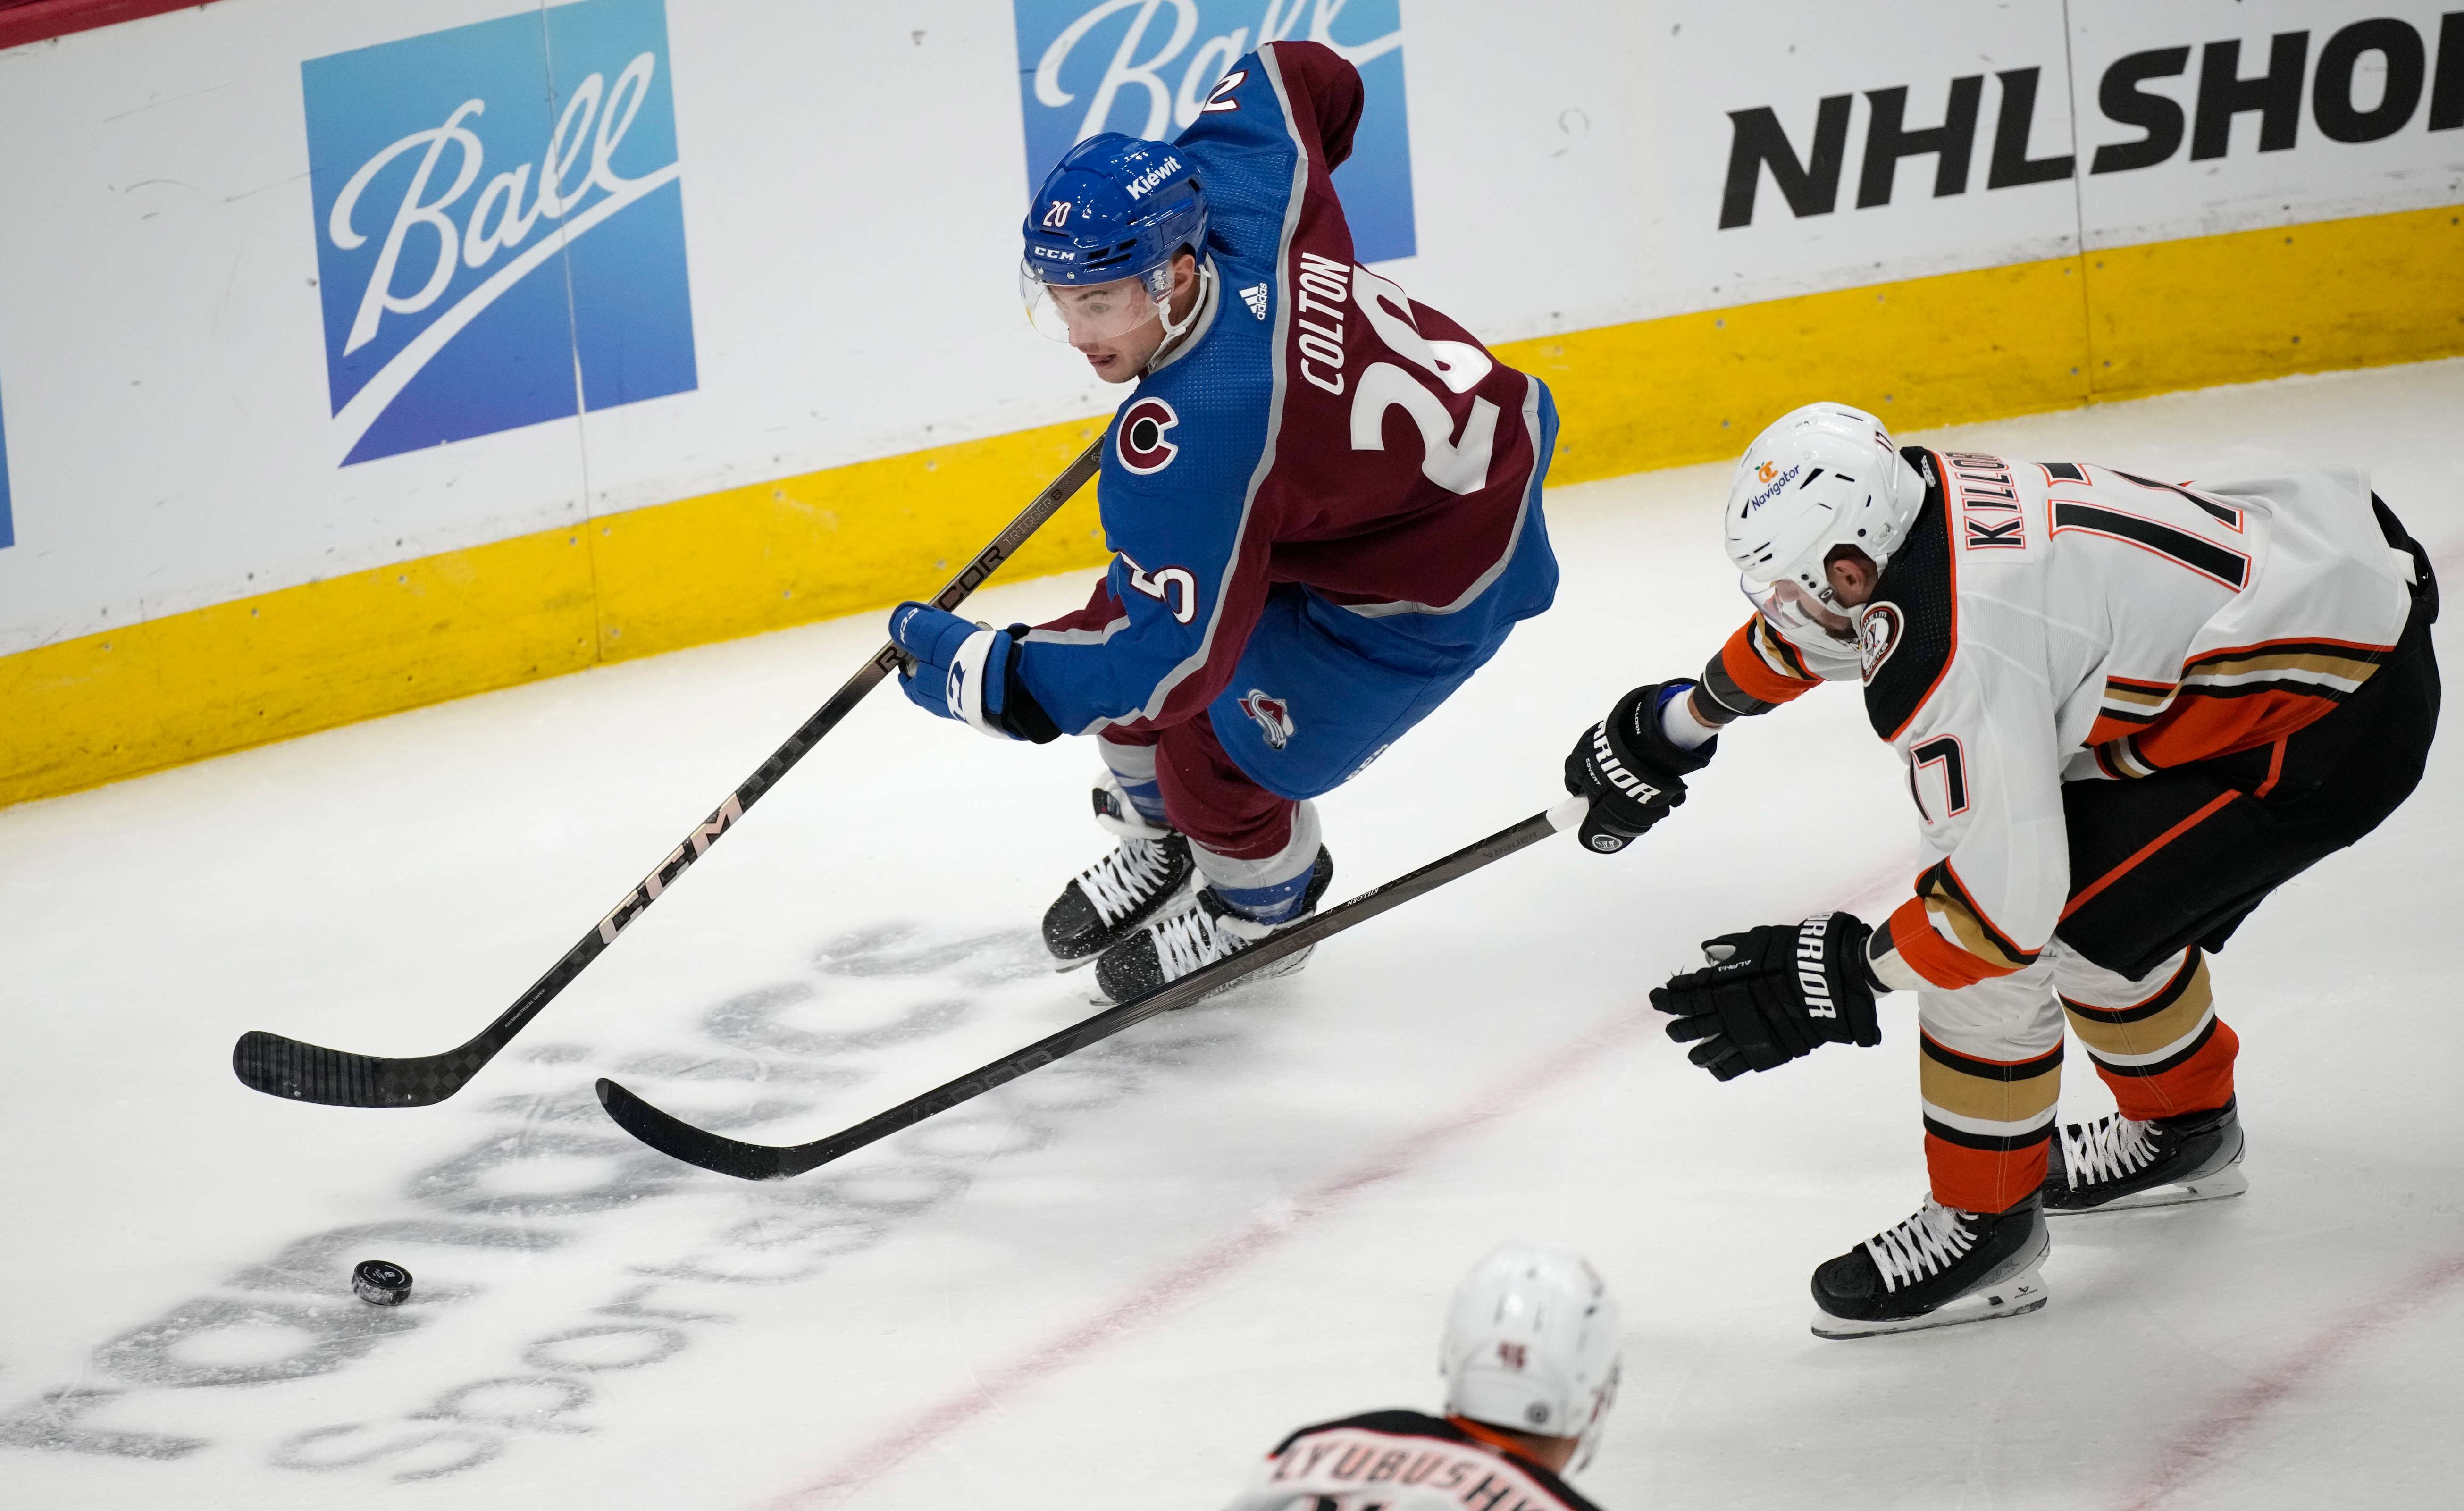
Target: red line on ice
[[1253, 1240], [2208, 1443]]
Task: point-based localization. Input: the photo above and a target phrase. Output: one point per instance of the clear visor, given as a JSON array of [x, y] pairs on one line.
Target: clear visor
[[1797, 612], [1085, 315]]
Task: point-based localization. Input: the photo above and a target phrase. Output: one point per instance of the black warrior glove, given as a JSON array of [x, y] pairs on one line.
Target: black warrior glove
[[1772, 995], [1632, 770]]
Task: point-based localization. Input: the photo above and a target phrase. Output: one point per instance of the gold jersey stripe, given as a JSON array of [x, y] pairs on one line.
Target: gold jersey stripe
[[2137, 698], [2352, 669], [1967, 931]]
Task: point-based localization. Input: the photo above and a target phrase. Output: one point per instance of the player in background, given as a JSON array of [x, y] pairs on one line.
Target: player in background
[[1324, 503], [1530, 1364], [2129, 710]]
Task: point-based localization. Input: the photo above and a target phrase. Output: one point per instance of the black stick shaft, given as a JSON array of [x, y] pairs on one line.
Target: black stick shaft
[[286, 1067], [764, 1162], [885, 662]]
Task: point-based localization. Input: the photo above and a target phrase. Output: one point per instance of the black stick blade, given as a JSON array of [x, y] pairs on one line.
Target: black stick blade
[[337, 1078], [727, 1156], [286, 1067], [681, 1140]]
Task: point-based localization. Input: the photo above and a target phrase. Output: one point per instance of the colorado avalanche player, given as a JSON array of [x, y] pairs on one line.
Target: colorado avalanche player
[[1324, 501], [2129, 710], [1530, 1364]]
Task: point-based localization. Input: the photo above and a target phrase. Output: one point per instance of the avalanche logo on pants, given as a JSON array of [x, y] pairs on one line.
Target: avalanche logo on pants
[[1139, 438], [1274, 717]]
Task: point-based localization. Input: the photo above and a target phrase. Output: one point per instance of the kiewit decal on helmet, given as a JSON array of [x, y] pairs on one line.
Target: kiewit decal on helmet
[[1531, 1344], [1114, 208], [1820, 478]]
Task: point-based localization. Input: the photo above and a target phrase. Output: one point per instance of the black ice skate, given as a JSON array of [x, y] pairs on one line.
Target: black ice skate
[[1110, 900], [1938, 1269], [1202, 931], [2116, 1164]]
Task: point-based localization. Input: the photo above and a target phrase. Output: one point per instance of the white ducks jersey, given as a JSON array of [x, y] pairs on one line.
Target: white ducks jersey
[[2052, 622]]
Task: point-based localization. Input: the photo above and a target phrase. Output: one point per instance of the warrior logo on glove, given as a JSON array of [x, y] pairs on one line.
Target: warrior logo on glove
[[1809, 967], [1772, 995], [1630, 768]]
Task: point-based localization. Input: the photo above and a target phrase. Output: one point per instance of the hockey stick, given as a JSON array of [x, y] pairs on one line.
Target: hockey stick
[[728, 1156], [286, 1067]]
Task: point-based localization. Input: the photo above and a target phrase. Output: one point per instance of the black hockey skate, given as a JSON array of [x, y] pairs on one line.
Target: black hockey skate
[[1110, 900], [2116, 1164], [1204, 931], [1939, 1268]]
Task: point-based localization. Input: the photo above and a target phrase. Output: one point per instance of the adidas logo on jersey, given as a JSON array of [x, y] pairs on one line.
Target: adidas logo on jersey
[[1255, 297]]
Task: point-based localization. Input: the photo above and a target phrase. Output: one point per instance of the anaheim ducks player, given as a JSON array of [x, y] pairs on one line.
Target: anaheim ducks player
[[1530, 1364], [2129, 710]]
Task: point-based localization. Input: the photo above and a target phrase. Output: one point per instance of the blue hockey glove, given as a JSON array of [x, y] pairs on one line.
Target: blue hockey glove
[[967, 672]]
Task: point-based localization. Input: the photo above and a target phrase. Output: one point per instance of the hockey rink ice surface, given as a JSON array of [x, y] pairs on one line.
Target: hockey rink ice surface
[[1119, 1280]]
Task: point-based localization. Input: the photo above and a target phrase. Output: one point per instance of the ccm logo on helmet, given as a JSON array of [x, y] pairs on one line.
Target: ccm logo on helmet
[[1140, 439]]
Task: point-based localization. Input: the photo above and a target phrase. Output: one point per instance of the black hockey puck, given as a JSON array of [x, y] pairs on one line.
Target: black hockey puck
[[381, 1283]]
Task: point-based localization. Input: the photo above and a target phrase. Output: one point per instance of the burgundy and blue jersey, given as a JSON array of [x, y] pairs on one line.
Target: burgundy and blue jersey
[[1318, 431]]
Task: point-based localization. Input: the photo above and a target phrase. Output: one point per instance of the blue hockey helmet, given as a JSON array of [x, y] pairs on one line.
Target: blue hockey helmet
[[1114, 207]]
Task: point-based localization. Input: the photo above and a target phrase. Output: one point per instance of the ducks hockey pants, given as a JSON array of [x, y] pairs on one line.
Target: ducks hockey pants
[[2163, 870]]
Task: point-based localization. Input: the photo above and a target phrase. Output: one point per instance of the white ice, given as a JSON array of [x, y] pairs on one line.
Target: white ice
[[1120, 1280]]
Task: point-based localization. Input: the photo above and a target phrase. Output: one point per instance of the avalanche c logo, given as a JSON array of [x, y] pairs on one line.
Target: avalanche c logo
[[1139, 438]]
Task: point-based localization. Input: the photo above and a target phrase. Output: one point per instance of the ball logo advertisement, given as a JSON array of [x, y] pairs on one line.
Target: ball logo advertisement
[[499, 222], [1149, 68]]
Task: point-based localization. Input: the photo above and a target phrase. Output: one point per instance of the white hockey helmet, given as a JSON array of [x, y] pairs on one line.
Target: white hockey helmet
[[1817, 479], [1531, 1344]]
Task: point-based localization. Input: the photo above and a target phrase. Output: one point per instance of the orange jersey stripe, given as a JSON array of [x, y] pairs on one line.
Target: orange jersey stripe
[[1756, 677], [2198, 727], [1932, 956]]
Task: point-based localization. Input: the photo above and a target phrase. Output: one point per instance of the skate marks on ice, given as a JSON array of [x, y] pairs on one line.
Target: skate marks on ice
[[2215, 1441], [547, 1174], [1206, 1265]]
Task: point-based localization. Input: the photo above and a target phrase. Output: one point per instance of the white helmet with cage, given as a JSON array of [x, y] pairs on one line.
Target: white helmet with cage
[[1817, 479], [1531, 1344]]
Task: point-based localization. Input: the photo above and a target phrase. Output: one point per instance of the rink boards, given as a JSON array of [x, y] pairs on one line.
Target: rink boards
[[1686, 219]]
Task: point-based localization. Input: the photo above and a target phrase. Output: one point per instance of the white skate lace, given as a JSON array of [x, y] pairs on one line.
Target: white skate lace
[[1920, 1248], [2108, 1148], [1188, 940], [1119, 883]]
